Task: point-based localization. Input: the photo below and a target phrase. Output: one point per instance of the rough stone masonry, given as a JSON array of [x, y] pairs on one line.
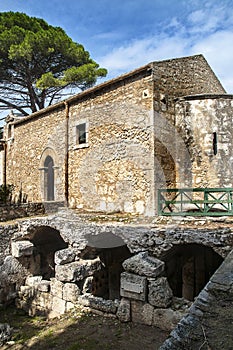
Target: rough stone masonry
[[82, 264]]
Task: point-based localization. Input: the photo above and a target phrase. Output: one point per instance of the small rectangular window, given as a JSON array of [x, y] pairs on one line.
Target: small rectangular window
[[81, 134], [215, 143]]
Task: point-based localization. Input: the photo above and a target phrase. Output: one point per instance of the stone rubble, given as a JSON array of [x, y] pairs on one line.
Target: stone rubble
[[145, 294], [5, 333]]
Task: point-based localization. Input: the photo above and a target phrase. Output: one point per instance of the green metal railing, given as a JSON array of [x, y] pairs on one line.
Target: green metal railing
[[195, 201]]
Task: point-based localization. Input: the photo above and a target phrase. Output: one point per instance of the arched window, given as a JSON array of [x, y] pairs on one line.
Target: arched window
[[49, 179]]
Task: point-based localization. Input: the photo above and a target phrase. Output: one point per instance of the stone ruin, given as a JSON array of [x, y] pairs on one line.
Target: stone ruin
[[148, 274], [105, 280]]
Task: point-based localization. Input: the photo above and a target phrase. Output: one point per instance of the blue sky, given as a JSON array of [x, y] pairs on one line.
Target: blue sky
[[125, 34]]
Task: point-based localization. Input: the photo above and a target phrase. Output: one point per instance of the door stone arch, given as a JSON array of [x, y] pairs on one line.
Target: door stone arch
[[49, 175]]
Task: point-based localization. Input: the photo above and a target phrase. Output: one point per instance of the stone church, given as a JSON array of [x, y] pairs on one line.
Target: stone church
[[156, 141], [110, 148]]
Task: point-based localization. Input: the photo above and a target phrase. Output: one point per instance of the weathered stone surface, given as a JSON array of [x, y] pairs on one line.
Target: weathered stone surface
[[133, 286], [144, 265], [108, 306], [87, 286], [6, 234], [33, 281], [21, 248], [56, 288], [26, 292], [44, 286], [64, 256], [69, 306], [78, 270], [142, 312], [58, 305], [208, 321], [71, 292], [160, 293], [42, 300], [5, 333], [20, 210], [124, 310], [166, 319]]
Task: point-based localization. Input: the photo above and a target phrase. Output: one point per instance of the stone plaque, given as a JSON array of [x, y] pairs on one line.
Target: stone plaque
[[133, 286]]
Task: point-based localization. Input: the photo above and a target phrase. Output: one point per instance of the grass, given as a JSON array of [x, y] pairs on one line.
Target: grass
[[77, 330]]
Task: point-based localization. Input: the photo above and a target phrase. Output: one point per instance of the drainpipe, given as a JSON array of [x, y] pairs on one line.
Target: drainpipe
[[3, 147], [67, 153], [4, 163]]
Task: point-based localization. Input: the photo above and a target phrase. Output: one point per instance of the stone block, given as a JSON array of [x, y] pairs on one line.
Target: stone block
[[5, 333], [166, 319], [21, 248], [160, 294], [56, 288], [71, 292], [144, 265], [133, 286], [44, 286], [22, 304], [124, 310], [69, 306], [142, 312], [98, 303], [64, 256], [26, 292], [78, 270], [33, 281], [58, 305], [43, 300]]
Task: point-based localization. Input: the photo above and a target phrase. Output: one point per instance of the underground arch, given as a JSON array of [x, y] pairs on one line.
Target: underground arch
[[47, 241], [189, 268]]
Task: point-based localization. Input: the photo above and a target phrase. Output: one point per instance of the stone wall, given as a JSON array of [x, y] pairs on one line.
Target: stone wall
[[115, 171], [14, 211], [132, 146], [198, 119], [186, 76], [144, 291], [31, 139], [6, 233], [208, 324], [1, 167]]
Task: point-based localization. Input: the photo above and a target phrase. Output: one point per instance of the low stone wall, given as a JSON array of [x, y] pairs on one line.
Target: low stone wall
[[15, 211], [6, 233], [146, 297], [209, 322]]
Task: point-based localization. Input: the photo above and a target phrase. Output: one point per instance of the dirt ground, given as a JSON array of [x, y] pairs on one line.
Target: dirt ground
[[78, 330]]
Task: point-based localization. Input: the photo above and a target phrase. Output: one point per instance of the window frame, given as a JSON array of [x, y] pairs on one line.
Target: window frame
[[76, 133]]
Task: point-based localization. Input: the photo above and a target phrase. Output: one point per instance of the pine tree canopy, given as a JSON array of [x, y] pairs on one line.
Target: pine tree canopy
[[40, 64]]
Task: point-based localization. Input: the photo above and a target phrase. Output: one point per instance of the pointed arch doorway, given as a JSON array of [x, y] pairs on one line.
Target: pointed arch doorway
[[49, 179]]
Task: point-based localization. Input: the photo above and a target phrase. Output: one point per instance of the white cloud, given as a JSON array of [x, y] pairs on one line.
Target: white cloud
[[140, 52], [208, 31]]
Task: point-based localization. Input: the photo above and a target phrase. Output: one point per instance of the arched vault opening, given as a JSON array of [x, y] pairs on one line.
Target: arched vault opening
[[47, 241], [189, 267], [112, 251]]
